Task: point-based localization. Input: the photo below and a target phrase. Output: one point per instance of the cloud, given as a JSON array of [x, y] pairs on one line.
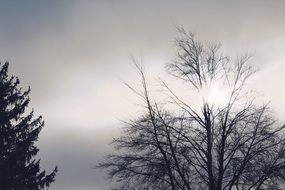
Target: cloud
[[75, 150], [72, 54]]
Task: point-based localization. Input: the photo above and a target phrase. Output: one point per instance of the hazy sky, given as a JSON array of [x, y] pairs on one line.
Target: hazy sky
[[74, 53]]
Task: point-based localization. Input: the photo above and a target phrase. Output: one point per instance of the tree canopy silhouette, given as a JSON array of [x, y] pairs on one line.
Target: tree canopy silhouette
[[235, 146], [19, 169]]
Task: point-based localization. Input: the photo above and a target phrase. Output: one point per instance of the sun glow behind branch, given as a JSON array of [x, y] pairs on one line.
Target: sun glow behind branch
[[215, 94]]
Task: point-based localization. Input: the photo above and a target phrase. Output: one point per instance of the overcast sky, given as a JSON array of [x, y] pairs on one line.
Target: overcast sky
[[73, 54]]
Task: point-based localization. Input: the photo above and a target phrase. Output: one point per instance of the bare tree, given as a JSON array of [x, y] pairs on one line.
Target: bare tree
[[235, 146]]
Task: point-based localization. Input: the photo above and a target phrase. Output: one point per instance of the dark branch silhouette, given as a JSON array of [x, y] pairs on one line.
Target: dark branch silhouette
[[237, 146]]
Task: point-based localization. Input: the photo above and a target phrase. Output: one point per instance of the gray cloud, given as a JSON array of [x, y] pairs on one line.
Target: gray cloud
[[75, 153], [72, 53]]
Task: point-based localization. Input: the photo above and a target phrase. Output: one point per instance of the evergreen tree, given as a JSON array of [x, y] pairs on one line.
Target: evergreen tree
[[19, 169]]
